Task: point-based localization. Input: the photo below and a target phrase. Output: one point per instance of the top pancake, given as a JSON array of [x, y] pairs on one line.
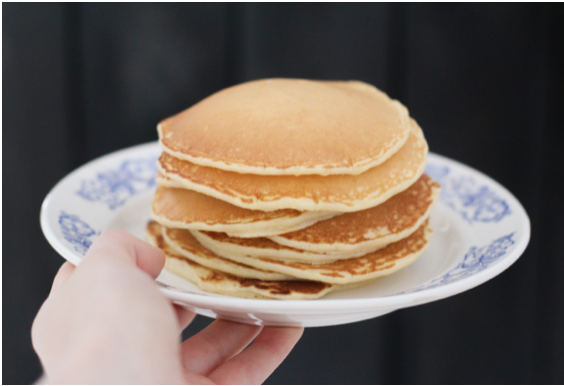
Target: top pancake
[[338, 193], [289, 127]]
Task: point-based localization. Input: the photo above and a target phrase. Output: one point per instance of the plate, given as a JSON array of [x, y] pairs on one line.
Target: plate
[[480, 230]]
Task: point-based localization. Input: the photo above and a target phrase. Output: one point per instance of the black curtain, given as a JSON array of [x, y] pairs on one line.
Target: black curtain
[[485, 82]]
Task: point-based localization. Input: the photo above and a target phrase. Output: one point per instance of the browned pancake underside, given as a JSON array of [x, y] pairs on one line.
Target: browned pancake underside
[[289, 287], [395, 215], [372, 262], [381, 262], [273, 287]]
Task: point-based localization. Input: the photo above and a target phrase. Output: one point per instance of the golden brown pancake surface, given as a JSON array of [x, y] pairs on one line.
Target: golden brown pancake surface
[[378, 263], [202, 256], [345, 193], [289, 127], [189, 209], [223, 283], [228, 246], [375, 227], [189, 206]]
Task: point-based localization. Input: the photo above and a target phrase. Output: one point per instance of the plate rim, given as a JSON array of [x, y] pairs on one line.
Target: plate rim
[[317, 306]]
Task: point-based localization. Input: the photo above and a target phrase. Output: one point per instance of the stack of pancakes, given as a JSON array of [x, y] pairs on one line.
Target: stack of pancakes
[[290, 189]]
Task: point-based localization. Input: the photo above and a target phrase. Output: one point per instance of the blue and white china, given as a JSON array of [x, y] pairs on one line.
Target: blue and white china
[[480, 230]]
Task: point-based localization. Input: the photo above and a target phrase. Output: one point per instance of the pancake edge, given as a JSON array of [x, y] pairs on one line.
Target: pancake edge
[[303, 274], [286, 255], [322, 170], [370, 245], [187, 269], [226, 267], [303, 204], [306, 204], [231, 287], [253, 229]]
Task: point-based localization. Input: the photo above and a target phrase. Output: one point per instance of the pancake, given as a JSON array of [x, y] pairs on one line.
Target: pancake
[[196, 253], [370, 266], [346, 236], [187, 209], [289, 127], [163, 180], [226, 246], [223, 283], [339, 193], [369, 229]]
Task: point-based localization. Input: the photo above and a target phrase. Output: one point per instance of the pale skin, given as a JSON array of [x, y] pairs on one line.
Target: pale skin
[[105, 321]]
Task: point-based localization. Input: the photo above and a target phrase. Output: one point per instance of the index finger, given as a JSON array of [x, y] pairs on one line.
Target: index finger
[[122, 245], [260, 359]]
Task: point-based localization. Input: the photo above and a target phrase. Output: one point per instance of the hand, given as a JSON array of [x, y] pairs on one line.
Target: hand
[[105, 321]]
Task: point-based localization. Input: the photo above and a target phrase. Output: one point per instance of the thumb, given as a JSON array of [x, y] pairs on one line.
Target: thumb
[[62, 276], [122, 245]]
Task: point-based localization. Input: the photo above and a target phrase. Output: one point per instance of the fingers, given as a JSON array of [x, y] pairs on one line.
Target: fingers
[[62, 275], [122, 245], [258, 361], [184, 316], [214, 345]]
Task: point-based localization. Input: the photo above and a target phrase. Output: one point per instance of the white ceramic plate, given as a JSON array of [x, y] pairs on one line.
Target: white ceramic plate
[[480, 230]]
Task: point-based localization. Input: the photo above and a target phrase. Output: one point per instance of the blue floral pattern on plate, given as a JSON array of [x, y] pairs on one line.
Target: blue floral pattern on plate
[[80, 206], [476, 260], [77, 232], [114, 187], [474, 202]]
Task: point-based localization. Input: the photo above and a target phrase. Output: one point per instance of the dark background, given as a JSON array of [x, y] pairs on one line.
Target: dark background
[[485, 82]]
